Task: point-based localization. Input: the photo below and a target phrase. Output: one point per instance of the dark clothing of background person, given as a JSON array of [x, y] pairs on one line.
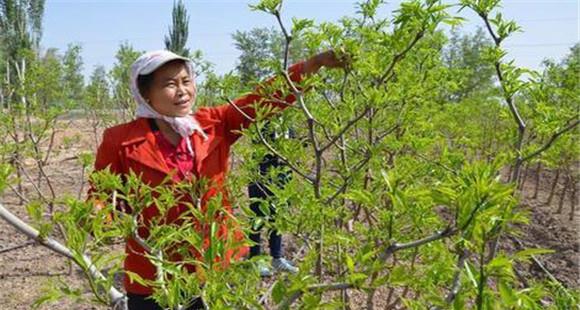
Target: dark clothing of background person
[[260, 190], [143, 302]]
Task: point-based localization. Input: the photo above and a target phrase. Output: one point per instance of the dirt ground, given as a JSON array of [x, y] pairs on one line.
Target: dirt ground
[[24, 271], [551, 230]]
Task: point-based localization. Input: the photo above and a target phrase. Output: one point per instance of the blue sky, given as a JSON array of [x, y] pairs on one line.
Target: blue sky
[[550, 27]]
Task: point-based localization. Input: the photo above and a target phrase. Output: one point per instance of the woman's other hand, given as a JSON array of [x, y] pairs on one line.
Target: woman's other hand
[[328, 59]]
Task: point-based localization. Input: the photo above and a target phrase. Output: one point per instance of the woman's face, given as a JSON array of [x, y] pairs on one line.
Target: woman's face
[[172, 90]]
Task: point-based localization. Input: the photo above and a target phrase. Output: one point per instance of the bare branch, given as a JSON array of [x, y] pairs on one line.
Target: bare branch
[[283, 158], [447, 232], [485, 18], [399, 56], [16, 247], [456, 286], [456, 283], [345, 128], [230, 102], [347, 180], [317, 287], [29, 178], [287, 37], [552, 140], [116, 297], [20, 195]]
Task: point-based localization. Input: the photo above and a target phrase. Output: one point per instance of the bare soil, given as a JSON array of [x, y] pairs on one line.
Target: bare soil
[[549, 229], [26, 271]]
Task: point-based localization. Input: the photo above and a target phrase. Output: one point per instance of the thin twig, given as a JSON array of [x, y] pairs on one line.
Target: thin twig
[[283, 158], [29, 178], [447, 232], [16, 247], [347, 180], [20, 195], [317, 287], [287, 37], [398, 57], [248, 117], [116, 297], [552, 139], [537, 262], [348, 125]]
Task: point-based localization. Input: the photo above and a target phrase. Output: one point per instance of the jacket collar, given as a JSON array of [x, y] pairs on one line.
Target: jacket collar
[[201, 146], [142, 145]]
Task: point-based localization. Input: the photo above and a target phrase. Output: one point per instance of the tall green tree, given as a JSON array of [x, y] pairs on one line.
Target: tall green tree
[[49, 74], [73, 81], [177, 38], [464, 56], [119, 74], [564, 77], [97, 102], [98, 89], [20, 27], [21, 23], [259, 46]]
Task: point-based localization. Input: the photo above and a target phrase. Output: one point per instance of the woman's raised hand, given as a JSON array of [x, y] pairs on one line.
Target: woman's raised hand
[[329, 59]]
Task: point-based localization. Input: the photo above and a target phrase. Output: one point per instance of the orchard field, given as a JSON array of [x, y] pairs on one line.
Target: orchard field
[[430, 173]]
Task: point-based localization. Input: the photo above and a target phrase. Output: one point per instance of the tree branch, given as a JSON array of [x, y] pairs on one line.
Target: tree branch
[[283, 158], [456, 286], [317, 287], [552, 140], [116, 297], [287, 37], [400, 56], [244, 114], [16, 247], [447, 232], [345, 128]]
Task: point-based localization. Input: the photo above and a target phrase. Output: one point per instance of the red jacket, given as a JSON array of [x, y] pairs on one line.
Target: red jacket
[[132, 147]]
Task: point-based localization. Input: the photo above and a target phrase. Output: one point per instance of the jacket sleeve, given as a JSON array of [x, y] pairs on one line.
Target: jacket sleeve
[[107, 157], [233, 118], [108, 154]]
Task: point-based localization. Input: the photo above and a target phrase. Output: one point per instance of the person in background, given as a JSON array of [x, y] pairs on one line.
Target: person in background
[[172, 139], [259, 191]]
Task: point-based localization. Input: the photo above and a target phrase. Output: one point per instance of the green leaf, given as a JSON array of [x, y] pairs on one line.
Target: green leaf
[[349, 263], [268, 6], [499, 262], [278, 291], [398, 275], [5, 172], [361, 196], [34, 210], [528, 253], [299, 24], [507, 294], [134, 277], [470, 274], [357, 278]]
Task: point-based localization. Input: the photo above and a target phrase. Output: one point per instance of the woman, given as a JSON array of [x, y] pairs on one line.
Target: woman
[[171, 139]]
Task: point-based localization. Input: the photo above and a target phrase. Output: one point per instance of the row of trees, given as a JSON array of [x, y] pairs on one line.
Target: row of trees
[[396, 163]]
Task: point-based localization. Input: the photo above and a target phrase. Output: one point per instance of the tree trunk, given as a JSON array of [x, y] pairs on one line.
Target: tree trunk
[[538, 174], [573, 199], [563, 194], [554, 184], [523, 177], [510, 173]]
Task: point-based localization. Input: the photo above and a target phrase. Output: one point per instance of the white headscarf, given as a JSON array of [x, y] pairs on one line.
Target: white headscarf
[[146, 64]]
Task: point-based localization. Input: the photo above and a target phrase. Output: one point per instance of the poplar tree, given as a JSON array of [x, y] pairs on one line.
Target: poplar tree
[[178, 31], [20, 32]]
